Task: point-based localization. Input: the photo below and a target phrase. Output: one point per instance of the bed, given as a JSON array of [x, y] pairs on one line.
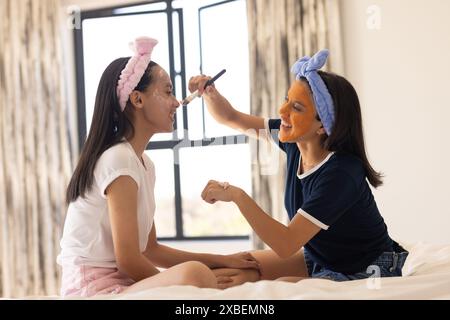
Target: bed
[[426, 275]]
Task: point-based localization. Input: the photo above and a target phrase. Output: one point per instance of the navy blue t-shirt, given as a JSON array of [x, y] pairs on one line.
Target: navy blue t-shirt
[[336, 196]]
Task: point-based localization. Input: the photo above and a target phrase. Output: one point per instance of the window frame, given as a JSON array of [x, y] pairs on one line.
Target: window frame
[[175, 144]]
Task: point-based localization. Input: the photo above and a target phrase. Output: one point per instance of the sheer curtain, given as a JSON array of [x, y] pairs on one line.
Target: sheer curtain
[[35, 149], [280, 32]]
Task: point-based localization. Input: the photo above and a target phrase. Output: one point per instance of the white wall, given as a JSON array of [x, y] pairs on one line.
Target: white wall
[[402, 75]]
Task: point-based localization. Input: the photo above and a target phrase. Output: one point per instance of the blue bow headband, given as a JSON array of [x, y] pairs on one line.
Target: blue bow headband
[[307, 67]]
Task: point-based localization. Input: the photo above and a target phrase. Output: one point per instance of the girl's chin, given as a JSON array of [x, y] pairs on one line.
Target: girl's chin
[[284, 135], [168, 129], [288, 138], [285, 140], [170, 126]]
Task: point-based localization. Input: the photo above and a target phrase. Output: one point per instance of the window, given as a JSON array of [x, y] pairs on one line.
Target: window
[[195, 36], [201, 218]]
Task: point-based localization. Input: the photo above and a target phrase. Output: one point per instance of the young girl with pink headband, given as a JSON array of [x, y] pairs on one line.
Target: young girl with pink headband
[[109, 242]]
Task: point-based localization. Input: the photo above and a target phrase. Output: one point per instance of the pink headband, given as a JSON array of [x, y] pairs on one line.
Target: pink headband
[[135, 68]]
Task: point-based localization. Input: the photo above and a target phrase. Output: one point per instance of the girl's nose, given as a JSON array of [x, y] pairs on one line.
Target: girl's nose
[[176, 102], [284, 108]]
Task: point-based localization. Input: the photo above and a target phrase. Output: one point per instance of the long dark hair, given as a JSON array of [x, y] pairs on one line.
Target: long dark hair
[[109, 126], [347, 133]]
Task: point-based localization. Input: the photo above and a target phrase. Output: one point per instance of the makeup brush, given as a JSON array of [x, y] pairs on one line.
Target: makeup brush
[[194, 95]]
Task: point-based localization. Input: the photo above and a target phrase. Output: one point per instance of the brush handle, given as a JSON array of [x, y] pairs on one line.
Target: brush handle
[[194, 95], [217, 76]]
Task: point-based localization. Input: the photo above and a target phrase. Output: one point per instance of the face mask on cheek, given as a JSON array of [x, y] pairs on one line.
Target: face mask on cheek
[[299, 122], [159, 93], [157, 97], [160, 111]]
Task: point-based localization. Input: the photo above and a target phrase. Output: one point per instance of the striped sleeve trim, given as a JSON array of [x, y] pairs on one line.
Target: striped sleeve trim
[[313, 220]]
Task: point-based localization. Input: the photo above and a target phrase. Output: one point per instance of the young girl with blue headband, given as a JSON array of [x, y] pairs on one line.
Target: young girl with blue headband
[[336, 231], [109, 242]]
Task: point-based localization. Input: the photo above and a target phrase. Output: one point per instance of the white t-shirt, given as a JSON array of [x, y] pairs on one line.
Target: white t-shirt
[[87, 237]]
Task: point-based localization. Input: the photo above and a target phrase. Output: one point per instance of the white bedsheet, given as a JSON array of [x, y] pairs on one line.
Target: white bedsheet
[[426, 275]]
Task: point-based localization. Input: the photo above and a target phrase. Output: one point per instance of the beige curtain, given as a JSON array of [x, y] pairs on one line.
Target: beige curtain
[[35, 153], [281, 32]]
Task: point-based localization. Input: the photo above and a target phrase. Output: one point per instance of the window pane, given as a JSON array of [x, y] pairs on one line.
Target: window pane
[[226, 48], [176, 43], [106, 39], [179, 134], [195, 118], [192, 62], [198, 165], [192, 55], [164, 192]]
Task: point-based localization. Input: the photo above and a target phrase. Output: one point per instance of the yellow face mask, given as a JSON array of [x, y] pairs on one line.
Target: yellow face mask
[[297, 113]]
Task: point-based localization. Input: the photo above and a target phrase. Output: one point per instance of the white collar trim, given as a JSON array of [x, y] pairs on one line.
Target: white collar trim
[[304, 175]]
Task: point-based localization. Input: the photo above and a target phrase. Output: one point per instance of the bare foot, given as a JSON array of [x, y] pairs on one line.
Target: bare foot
[[227, 278]]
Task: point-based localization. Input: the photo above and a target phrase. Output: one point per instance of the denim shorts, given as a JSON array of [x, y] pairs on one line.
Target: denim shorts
[[388, 264]]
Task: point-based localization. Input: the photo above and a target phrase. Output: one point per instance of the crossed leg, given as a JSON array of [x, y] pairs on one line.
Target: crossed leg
[[292, 269], [188, 273]]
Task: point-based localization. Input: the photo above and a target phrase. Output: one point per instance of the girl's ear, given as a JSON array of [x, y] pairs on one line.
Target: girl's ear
[[321, 130], [136, 99]]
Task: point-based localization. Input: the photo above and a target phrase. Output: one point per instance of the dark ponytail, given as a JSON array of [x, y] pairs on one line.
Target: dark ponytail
[[347, 134]]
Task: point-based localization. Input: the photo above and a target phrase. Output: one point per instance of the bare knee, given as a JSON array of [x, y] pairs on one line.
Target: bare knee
[[197, 274]]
